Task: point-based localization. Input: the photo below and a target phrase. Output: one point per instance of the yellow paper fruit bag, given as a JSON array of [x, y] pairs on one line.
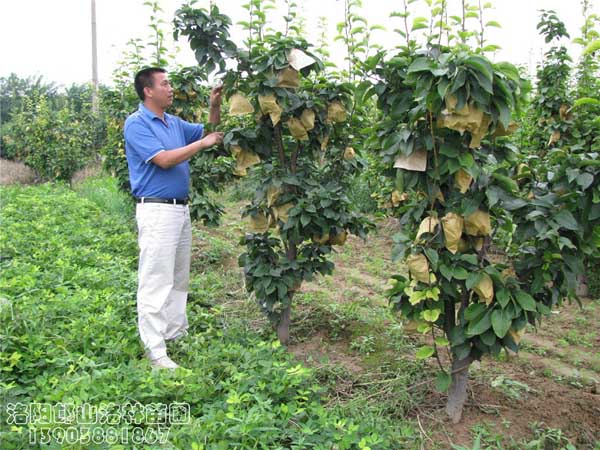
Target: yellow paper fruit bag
[[453, 225], [338, 238], [478, 224], [259, 223], [349, 154], [288, 78], [485, 289], [336, 112], [462, 180], [428, 225], [243, 160], [296, 129], [308, 119], [239, 105], [418, 266], [268, 105]]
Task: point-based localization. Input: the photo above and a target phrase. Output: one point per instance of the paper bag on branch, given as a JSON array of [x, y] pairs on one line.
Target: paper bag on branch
[[478, 224], [469, 118], [478, 243], [418, 266], [338, 238], [516, 335], [463, 246], [554, 137], [349, 154], [273, 194], [485, 289], [452, 225], [239, 105], [281, 212], [336, 112], [297, 130], [243, 160], [308, 119], [288, 78], [268, 105], [320, 239], [259, 223], [501, 131], [462, 180], [416, 161], [398, 198], [299, 60], [428, 225], [324, 141]]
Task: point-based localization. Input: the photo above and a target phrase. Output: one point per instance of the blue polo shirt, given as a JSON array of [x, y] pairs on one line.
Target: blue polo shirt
[[146, 135]]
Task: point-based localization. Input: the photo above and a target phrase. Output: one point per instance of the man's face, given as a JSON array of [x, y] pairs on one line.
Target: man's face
[[161, 92]]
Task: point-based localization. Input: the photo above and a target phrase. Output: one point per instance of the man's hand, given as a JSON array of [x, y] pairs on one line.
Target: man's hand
[[211, 139], [216, 96]]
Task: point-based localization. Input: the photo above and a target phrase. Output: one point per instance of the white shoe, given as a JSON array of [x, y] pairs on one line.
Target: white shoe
[[164, 363]]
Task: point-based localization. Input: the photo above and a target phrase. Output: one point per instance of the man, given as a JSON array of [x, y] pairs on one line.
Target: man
[[158, 146]]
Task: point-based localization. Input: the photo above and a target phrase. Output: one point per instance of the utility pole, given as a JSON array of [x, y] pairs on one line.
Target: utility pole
[[94, 61]]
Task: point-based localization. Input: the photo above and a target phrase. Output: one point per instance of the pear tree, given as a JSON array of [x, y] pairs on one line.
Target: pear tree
[[293, 135]]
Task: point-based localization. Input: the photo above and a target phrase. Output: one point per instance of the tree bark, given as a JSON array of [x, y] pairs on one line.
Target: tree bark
[[457, 394], [283, 327]]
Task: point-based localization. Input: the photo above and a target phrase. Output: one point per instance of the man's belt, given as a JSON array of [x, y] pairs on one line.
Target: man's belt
[[171, 201]]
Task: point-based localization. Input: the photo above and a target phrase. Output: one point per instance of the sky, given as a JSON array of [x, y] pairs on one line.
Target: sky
[[53, 37]]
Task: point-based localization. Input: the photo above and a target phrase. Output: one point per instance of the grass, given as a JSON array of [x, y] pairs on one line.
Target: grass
[[104, 192], [69, 335]]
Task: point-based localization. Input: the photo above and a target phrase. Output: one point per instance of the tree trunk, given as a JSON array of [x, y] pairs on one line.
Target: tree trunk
[[283, 327], [457, 394]]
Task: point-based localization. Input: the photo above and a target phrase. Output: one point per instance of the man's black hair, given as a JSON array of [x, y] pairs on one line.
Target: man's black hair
[[144, 78]]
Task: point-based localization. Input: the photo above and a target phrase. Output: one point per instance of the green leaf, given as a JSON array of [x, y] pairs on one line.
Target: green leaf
[[501, 322], [446, 271], [481, 65], [480, 326], [461, 351], [441, 341], [585, 180], [421, 65], [433, 258], [503, 297], [525, 300], [425, 352], [470, 258], [586, 101], [457, 335], [442, 381], [473, 311], [488, 338], [304, 219], [431, 315], [594, 46], [466, 160], [473, 279], [565, 219], [449, 150], [460, 273], [418, 26]]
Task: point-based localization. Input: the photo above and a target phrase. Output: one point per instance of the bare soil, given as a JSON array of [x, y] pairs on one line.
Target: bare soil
[[554, 381]]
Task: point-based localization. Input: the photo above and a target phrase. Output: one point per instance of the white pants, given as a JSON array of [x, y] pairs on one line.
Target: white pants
[[165, 241]]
